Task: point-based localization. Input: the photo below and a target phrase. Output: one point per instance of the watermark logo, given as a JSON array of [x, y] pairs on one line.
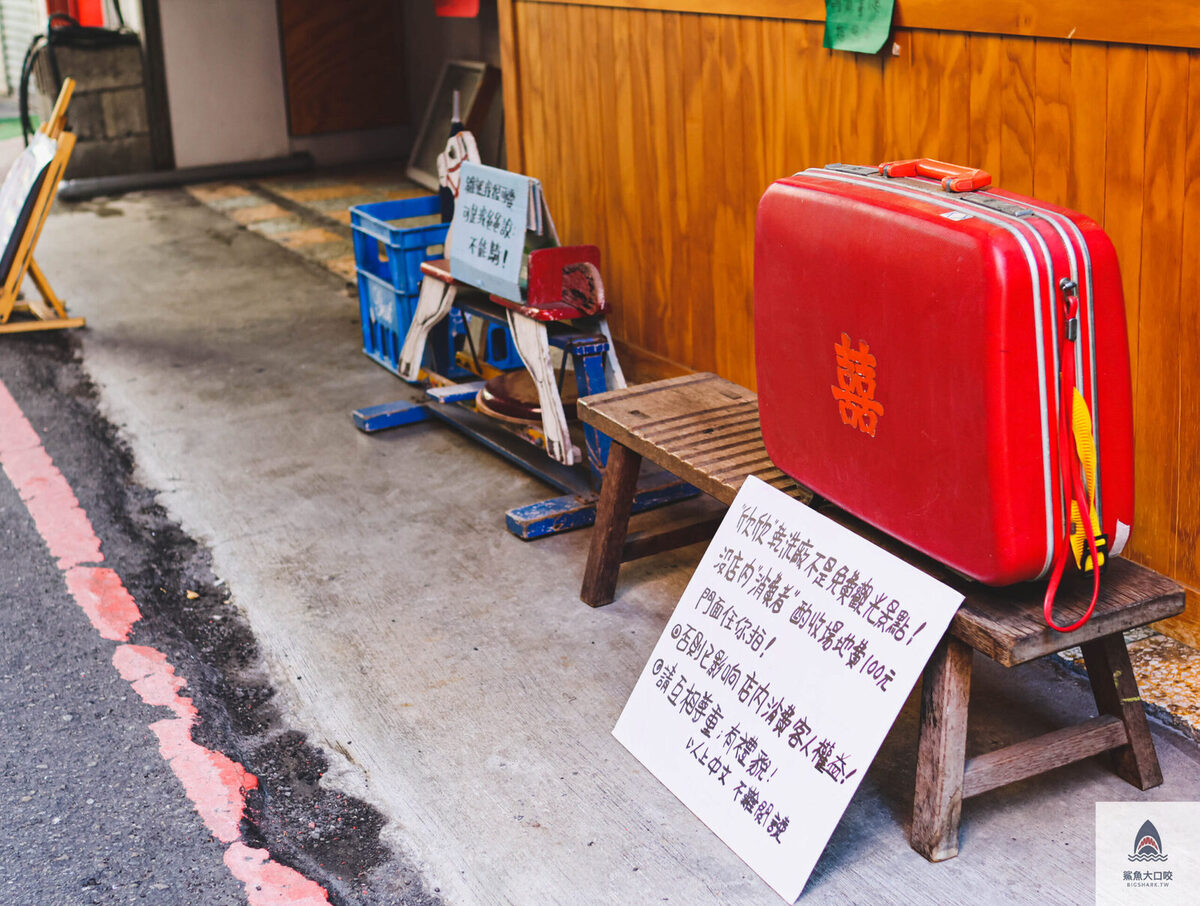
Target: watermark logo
[[1148, 845], [1147, 852]]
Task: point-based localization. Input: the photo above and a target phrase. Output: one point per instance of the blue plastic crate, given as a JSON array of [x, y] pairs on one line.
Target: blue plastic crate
[[385, 314], [500, 351], [393, 238]]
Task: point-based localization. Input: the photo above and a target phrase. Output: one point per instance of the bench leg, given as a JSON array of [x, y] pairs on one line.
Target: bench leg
[[612, 524], [1116, 692], [937, 804]]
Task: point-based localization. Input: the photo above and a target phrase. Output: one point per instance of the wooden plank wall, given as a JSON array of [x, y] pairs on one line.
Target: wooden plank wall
[[655, 133]]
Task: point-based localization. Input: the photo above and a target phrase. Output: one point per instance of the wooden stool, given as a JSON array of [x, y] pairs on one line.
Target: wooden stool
[[705, 430], [700, 427], [1007, 625]]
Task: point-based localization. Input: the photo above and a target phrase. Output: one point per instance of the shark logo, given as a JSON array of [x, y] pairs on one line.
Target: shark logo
[[1147, 845]]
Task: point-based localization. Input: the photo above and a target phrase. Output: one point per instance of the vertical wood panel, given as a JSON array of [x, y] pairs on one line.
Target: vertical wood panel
[[1124, 171], [558, 155], [954, 97], [1187, 517], [838, 107], [729, 193], [584, 154], [1015, 169], [1070, 120], [734, 231], [532, 109], [660, 182], [655, 134], [774, 92], [591, 141], [1088, 112], [857, 123], [693, 254], [1051, 120], [804, 89], [608, 232], [923, 87], [754, 153], [897, 89], [707, 253], [633, 159], [1156, 405], [987, 55], [677, 307], [510, 63]]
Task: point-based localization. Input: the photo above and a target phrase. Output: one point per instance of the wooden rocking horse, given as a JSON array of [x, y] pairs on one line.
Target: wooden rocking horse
[[554, 300], [564, 285]]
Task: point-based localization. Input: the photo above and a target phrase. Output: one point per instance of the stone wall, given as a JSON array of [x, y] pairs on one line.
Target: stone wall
[[108, 110]]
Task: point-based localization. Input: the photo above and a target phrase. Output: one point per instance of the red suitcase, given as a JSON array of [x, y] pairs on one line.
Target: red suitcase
[[908, 351]]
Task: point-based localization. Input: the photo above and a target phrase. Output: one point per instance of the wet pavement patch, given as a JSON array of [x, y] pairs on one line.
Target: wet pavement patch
[[326, 827], [188, 613]]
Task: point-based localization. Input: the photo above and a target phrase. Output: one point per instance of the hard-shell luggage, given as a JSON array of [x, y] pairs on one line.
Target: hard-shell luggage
[[916, 339]]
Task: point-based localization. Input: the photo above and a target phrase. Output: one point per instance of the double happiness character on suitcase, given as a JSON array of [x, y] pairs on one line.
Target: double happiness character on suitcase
[[949, 364]]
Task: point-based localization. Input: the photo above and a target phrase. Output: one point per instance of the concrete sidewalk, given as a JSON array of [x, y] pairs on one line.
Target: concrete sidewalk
[[449, 668]]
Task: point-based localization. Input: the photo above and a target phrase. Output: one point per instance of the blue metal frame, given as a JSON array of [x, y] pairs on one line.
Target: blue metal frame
[[562, 514]]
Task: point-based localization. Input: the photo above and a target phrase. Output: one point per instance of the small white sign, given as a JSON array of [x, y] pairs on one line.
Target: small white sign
[[491, 215], [1147, 852], [778, 676]]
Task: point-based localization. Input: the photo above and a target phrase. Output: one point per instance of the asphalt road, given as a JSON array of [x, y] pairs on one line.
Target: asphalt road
[[92, 812]]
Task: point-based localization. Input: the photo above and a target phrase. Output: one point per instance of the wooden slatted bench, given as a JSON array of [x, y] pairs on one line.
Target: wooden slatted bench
[[705, 430], [700, 427]]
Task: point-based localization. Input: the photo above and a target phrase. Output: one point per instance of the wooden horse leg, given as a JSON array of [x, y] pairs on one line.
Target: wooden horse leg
[[941, 755], [614, 376], [533, 345], [433, 304]]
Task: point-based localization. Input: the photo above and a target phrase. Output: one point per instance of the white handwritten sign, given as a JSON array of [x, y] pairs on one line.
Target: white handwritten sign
[[778, 676], [491, 214]]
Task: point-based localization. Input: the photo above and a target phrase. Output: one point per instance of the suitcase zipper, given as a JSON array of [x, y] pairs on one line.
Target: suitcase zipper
[[1056, 220]]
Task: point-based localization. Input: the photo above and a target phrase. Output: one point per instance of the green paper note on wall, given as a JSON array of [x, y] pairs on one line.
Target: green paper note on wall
[[857, 25]]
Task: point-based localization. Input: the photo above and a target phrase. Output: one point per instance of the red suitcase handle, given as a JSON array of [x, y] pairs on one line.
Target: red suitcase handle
[[954, 178]]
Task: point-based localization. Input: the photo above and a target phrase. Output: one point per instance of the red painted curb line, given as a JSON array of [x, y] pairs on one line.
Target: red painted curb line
[[215, 784]]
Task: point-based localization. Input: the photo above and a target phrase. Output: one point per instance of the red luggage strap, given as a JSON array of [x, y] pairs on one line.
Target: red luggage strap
[[1077, 473]]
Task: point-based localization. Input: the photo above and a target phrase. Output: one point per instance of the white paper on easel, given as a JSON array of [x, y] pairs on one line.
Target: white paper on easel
[[19, 184], [778, 676]]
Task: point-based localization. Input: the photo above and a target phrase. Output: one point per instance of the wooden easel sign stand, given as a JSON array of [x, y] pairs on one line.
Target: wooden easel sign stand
[[25, 199]]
